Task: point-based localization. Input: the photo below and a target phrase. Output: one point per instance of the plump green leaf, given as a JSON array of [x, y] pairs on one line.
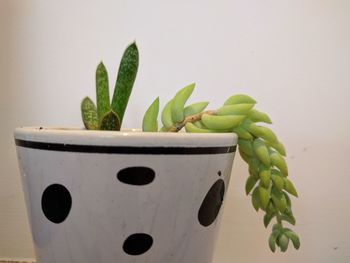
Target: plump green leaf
[[278, 181], [272, 241], [288, 185], [195, 108], [294, 237], [150, 119], [265, 174], [267, 219], [246, 147], [178, 103], [250, 183], [264, 197], [258, 116], [238, 99], [283, 241], [255, 199], [288, 218]]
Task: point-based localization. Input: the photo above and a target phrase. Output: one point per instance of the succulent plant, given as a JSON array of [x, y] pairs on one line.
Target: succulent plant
[[259, 147], [106, 114], [268, 183]]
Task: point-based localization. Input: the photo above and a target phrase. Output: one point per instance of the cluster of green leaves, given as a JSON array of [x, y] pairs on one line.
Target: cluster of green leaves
[[109, 115], [268, 182]]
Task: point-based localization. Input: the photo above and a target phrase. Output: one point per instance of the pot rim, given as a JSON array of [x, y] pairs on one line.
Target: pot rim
[[125, 137]]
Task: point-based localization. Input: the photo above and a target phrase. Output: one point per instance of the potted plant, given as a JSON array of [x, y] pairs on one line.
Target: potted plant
[[102, 194]]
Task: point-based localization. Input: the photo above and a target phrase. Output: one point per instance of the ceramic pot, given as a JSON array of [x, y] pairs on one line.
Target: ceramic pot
[[104, 196]]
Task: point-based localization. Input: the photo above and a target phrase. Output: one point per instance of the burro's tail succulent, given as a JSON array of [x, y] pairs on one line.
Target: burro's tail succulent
[[109, 115], [268, 183]]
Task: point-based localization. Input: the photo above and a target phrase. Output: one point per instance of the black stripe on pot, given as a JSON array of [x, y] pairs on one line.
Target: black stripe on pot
[[136, 175], [137, 244], [56, 203], [211, 204], [61, 147]]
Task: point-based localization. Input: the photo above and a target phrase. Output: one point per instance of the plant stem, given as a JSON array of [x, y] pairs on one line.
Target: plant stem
[[191, 118]]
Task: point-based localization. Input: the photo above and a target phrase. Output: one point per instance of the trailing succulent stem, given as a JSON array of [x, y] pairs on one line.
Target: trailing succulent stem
[[259, 147], [109, 115]]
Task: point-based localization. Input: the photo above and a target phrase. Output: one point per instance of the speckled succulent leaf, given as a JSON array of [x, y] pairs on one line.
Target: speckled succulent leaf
[[89, 114], [110, 122], [125, 80], [102, 92]]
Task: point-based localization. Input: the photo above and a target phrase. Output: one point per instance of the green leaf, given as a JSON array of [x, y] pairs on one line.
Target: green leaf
[[265, 174], [125, 80], [278, 161], [238, 99], [89, 114], [245, 157], [265, 133], [288, 185], [246, 147], [242, 133], [250, 183], [110, 122], [289, 202], [264, 197], [294, 237], [150, 119], [277, 227], [102, 92], [257, 116], [267, 219], [236, 109], [270, 209], [178, 102], [279, 200], [283, 241], [279, 147], [277, 181], [272, 241], [195, 108], [261, 151], [255, 199], [288, 218]]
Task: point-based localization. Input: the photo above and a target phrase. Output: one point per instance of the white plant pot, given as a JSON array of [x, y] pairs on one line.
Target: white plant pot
[[100, 196]]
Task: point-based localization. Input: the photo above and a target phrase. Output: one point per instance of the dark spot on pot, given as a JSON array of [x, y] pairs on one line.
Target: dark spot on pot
[[56, 203], [219, 173], [212, 202], [137, 244], [137, 175]]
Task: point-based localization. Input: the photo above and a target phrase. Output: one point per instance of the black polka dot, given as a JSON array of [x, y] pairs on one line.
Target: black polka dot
[[219, 173], [212, 202], [137, 175], [137, 244], [56, 203]]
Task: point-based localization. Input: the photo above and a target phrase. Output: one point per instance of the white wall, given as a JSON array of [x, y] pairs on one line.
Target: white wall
[[293, 56]]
